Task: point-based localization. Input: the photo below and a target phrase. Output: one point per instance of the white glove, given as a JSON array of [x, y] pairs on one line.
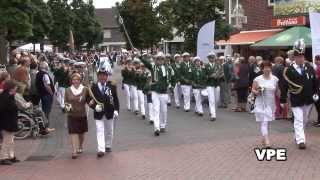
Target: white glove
[[315, 97], [115, 114], [68, 107], [282, 105], [28, 105], [98, 108]]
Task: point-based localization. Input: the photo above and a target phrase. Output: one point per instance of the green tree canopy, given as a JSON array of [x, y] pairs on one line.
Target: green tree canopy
[[15, 19]]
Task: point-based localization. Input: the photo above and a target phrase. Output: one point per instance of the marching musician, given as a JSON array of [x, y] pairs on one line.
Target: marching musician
[[106, 109], [185, 70], [302, 86]]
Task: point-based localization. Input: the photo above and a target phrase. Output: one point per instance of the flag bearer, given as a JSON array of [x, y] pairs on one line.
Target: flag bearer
[[186, 69], [198, 84]]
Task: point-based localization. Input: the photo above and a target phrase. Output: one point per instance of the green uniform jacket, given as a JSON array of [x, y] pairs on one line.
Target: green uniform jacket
[[198, 78], [160, 81], [125, 76], [176, 75], [214, 74], [185, 73], [142, 80]]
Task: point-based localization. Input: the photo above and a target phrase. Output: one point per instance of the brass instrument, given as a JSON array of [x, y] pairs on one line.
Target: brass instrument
[[293, 87]]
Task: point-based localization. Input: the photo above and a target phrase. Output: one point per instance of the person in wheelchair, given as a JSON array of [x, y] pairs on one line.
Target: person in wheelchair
[[29, 109]]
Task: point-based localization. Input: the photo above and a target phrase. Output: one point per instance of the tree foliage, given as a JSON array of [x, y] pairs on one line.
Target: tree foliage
[[189, 16], [15, 19], [42, 21], [143, 22]]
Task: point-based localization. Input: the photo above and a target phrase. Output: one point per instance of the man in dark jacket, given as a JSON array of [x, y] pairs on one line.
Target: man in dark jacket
[[106, 110], [302, 85], [8, 123]]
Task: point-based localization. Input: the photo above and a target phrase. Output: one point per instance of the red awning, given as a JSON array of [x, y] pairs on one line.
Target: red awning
[[249, 37]]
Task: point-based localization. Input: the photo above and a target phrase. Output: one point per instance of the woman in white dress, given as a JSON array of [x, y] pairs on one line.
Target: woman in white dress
[[265, 88]]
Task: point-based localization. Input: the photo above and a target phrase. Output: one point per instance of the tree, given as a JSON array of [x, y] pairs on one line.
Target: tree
[[15, 23], [143, 22], [63, 17], [189, 16], [42, 21], [85, 26]]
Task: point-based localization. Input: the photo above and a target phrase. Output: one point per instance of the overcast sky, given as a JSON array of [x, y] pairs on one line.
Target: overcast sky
[[107, 3]]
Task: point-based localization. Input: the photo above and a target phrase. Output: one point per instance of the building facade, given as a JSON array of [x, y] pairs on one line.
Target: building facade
[[113, 39]]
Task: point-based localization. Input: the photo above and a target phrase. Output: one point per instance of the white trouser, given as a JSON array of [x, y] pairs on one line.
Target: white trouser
[[151, 116], [197, 97], [186, 91], [160, 105], [264, 128], [212, 101], [217, 95], [169, 98], [134, 95], [104, 130], [60, 96], [177, 94], [141, 102], [127, 93], [300, 120]]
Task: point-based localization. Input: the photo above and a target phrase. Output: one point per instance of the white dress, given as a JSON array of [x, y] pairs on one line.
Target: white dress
[[265, 103]]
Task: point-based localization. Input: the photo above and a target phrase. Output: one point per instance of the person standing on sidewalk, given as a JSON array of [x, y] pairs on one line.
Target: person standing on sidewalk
[[76, 98], [317, 103], [8, 122], [303, 89], [185, 79], [198, 84], [265, 88], [45, 89], [106, 106]]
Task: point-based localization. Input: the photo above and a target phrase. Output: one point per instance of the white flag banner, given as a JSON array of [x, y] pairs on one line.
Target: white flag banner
[[315, 33], [205, 43]]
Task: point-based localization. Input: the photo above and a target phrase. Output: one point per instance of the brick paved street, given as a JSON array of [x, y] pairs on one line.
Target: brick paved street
[[193, 148]]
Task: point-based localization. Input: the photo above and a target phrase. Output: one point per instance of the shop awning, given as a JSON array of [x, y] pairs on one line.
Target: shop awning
[[287, 38], [249, 37]]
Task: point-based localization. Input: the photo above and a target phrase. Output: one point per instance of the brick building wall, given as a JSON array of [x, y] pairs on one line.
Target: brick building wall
[[259, 14]]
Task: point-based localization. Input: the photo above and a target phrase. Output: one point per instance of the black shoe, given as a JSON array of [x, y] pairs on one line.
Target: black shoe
[[200, 114], [316, 124], [162, 130], [6, 162], [157, 133], [14, 160], [186, 110], [100, 154], [196, 113], [136, 112], [178, 107], [212, 119], [74, 156], [63, 110], [150, 122], [108, 149], [302, 146], [169, 104], [143, 117]]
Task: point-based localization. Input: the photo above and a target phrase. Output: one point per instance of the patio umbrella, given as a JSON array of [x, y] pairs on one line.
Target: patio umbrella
[[286, 38]]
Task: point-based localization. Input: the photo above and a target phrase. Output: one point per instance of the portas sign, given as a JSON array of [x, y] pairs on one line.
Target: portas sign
[[289, 21]]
